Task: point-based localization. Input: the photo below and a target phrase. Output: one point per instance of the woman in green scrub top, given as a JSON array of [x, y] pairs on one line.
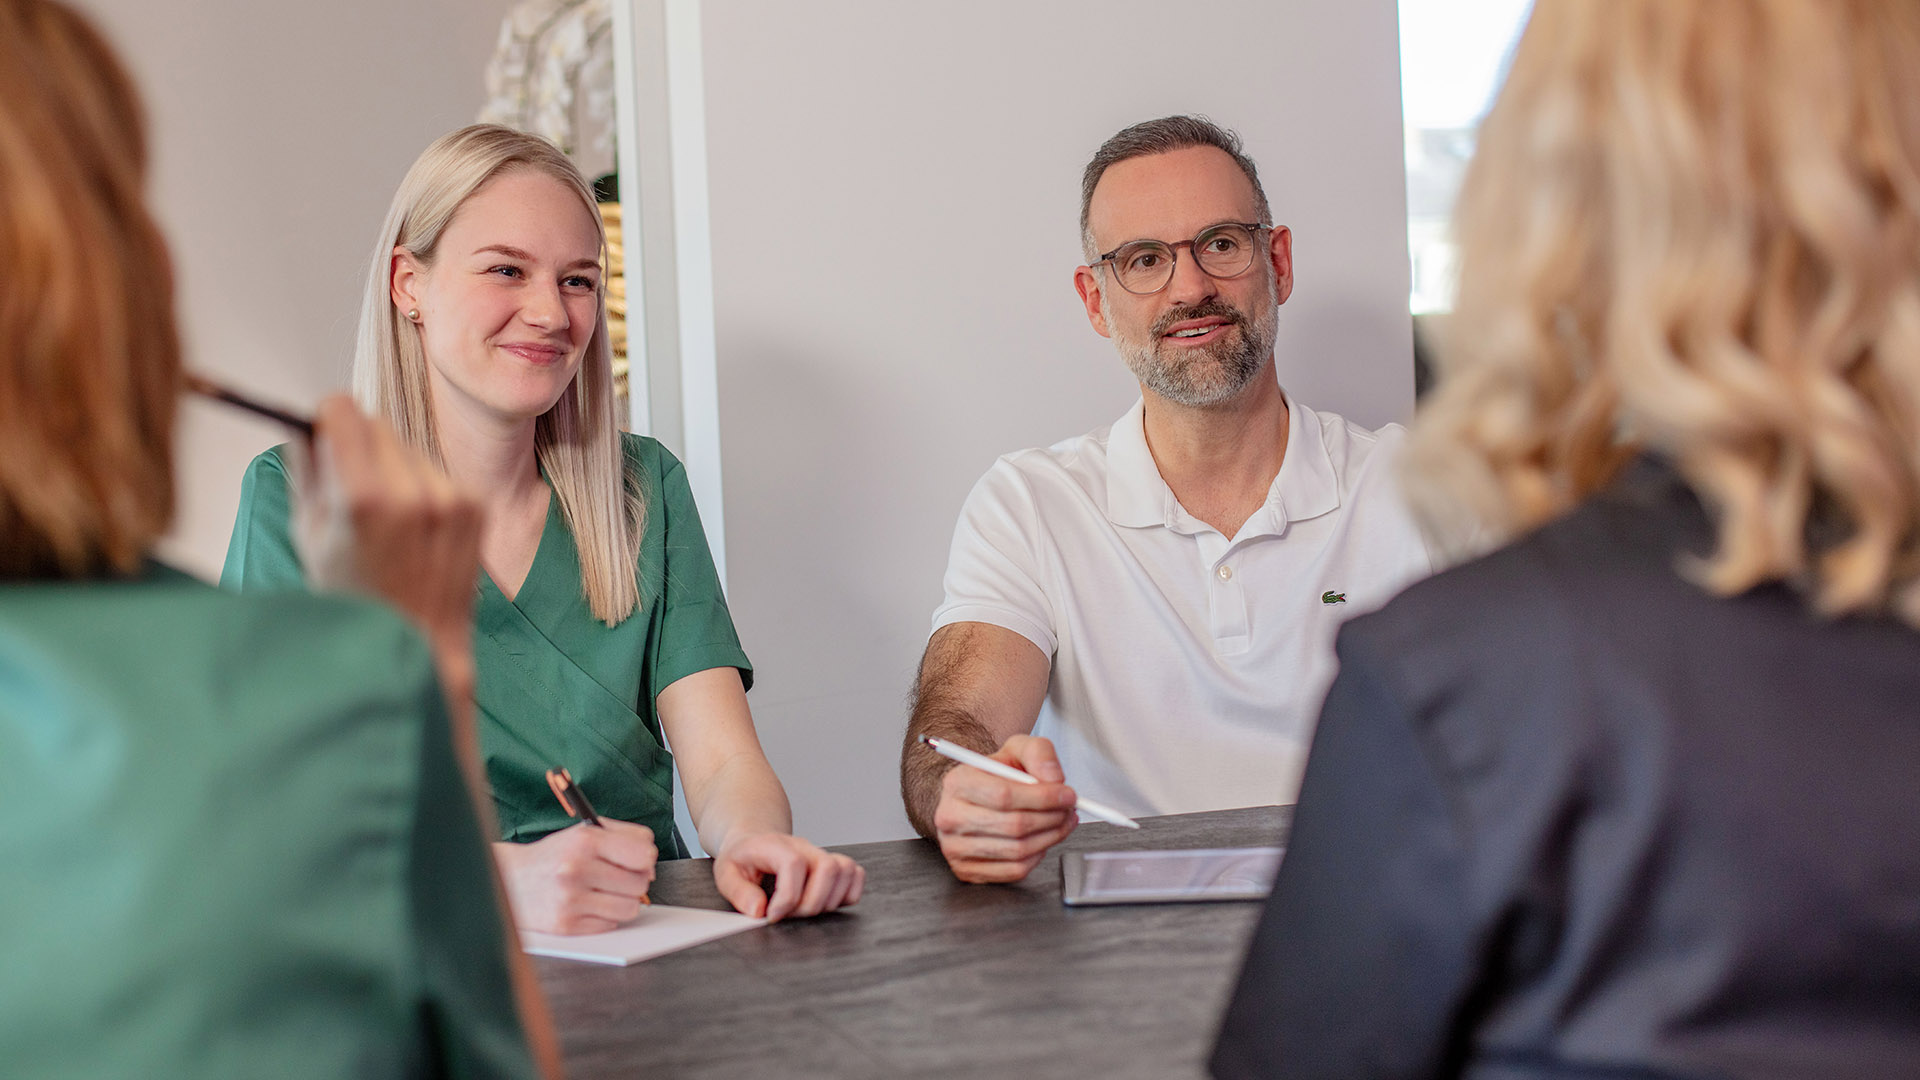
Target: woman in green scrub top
[[601, 631], [238, 839]]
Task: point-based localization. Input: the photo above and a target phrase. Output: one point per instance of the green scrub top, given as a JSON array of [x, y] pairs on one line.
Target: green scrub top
[[237, 844], [555, 686]]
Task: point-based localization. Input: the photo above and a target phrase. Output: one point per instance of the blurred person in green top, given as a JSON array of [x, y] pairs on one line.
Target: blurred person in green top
[[239, 839], [601, 633]]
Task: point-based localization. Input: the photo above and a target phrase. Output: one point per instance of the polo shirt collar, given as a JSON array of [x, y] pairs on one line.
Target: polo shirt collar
[[1306, 486], [1138, 497]]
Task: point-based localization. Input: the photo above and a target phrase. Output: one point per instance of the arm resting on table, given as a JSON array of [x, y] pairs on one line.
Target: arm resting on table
[[981, 687], [740, 808]]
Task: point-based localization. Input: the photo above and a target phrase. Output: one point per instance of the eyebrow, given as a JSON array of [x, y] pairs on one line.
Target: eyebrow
[[516, 253]]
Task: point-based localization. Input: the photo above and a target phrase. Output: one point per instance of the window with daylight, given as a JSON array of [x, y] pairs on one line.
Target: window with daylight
[[1453, 57]]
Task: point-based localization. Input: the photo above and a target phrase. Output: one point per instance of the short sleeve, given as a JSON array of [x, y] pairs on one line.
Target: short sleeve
[[458, 926], [260, 555], [993, 573], [696, 629]]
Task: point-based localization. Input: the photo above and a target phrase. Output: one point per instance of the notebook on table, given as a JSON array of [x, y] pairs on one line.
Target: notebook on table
[[659, 930]]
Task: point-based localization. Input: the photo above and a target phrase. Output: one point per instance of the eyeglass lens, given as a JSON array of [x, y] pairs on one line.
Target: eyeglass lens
[[1145, 266]]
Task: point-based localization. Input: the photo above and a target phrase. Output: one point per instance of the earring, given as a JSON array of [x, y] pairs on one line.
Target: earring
[[413, 314]]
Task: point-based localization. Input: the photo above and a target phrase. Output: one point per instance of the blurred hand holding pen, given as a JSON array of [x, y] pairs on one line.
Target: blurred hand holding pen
[[375, 517]]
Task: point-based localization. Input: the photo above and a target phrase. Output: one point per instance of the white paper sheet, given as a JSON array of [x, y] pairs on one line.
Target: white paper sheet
[[660, 929]]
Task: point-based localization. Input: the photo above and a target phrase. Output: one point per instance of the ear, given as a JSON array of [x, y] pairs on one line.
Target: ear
[[406, 278], [1087, 283], [1280, 254]]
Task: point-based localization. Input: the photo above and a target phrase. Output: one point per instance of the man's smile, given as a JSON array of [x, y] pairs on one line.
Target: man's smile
[[1202, 325], [1197, 331]]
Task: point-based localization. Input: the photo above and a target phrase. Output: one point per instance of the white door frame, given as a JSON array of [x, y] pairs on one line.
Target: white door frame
[[660, 132]]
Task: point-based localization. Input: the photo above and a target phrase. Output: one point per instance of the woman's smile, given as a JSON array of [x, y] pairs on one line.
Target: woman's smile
[[537, 353]]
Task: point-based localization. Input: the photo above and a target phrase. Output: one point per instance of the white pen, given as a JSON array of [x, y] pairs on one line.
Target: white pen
[[1007, 772]]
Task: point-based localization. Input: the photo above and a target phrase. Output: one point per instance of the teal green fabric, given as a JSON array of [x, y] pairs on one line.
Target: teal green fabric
[[237, 844], [555, 686]]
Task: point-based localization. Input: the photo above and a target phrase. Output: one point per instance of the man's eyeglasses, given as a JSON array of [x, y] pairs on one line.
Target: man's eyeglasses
[[1144, 267]]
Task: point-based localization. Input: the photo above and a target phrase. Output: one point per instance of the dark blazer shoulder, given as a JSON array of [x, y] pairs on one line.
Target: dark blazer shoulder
[[1498, 664], [1621, 549], [1513, 600]]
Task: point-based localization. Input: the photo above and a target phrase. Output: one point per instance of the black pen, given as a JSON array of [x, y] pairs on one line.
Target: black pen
[[206, 387], [574, 802], [572, 799]]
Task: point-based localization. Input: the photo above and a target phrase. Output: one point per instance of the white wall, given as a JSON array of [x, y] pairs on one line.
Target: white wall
[[279, 131], [894, 191], [895, 197]]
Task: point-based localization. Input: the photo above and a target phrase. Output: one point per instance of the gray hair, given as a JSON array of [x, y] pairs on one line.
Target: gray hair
[[1167, 134]]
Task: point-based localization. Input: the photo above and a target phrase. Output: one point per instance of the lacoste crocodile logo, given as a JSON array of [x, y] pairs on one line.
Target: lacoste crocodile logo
[[1331, 597]]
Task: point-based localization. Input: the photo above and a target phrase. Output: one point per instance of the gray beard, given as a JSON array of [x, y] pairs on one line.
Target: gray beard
[[1198, 378]]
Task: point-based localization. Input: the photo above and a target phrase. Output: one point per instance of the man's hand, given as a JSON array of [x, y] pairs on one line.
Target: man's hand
[[981, 686], [994, 830], [807, 879], [580, 880]]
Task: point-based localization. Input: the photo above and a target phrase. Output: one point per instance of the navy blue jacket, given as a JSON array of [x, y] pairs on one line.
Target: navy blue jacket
[[1569, 815]]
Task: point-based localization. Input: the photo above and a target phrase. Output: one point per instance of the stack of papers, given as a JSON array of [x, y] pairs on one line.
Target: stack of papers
[[659, 930]]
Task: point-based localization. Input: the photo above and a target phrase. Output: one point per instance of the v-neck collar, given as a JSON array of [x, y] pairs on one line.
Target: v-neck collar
[[534, 588]]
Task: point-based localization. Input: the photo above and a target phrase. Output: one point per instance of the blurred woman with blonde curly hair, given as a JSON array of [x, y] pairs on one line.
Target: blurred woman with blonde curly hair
[[1635, 793]]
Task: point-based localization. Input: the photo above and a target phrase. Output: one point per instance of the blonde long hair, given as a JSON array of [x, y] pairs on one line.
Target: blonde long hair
[[1694, 228], [578, 440], [89, 353]]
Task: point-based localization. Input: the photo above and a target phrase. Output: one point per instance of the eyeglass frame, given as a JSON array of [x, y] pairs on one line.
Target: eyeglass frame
[[1173, 250]]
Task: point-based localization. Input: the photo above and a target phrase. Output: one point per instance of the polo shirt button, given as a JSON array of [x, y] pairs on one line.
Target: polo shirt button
[[1226, 573]]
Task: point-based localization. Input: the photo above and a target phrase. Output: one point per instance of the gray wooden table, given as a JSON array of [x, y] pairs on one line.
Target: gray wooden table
[[927, 977]]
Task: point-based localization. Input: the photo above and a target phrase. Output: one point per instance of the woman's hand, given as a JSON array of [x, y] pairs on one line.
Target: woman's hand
[[376, 517], [379, 518], [807, 880], [740, 808], [580, 880]]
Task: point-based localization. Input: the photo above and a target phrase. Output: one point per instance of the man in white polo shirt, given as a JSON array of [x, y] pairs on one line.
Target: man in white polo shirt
[[1156, 601]]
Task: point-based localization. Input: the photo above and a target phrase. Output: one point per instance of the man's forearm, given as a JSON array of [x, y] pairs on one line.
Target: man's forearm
[[978, 685], [921, 770]]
